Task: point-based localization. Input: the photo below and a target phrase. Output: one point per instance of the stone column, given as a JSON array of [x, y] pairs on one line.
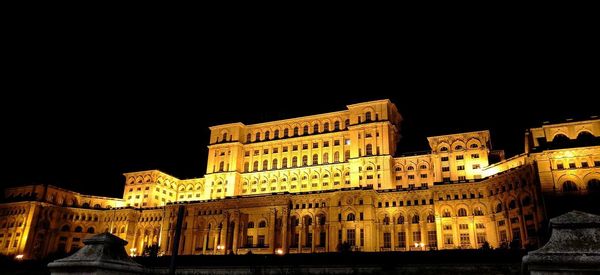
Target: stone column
[[224, 234], [573, 248], [301, 229], [314, 237], [439, 233], [327, 238], [272, 227], [284, 230], [236, 229], [206, 233]]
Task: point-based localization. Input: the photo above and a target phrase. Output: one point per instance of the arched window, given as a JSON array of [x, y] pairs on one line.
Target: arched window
[[296, 131], [246, 166], [336, 157], [444, 149], [401, 219], [257, 136], [415, 219], [284, 163], [250, 224], [585, 138], [386, 220], [315, 159], [267, 135], [512, 204], [65, 228], [315, 128], [326, 127], [458, 147], [249, 138], [462, 212], [477, 211], [369, 150], [307, 220], [474, 145], [265, 165], [350, 217], [78, 229], [346, 155], [593, 185], [498, 208], [295, 162], [569, 186], [262, 224], [285, 132], [398, 169], [123, 229], [305, 130], [446, 213], [276, 134], [274, 164], [423, 167], [368, 116], [221, 166], [304, 160], [225, 136], [430, 218], [410, 168], [346, 123], [90, 230], [325, 158], [255, 166], [336, 125], [526, 201]]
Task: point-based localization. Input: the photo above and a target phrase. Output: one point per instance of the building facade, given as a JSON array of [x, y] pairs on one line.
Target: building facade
[[311, 184]]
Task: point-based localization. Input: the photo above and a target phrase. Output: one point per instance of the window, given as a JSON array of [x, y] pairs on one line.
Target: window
[[584, 165], [432, 238], [398, 177], [285, 132], [444, 158], [387, 240], [315, 159], [257, 137], [284, 163], [458, 147], [448, 239], [284, 149], [305, 130], [445, 169], [274, 164], [336, 125], [368, 116], [410, 168], [572, 165], [417, 236], [411, 177], [569, 186], [401, 239], [315, 128], [423, 176], [304, 146], [249, 241], [474, 156], [346, 123], [460, 157], [445, 179], [430, 218], [325, 143], [476, 166], [249, 138], [276, 134], [221, 166], [262, 224], [295, 148], [325, 158], [265, 164], [350, 217], [460, 167], [351, 237], [361, 216], [560, 166], [415, 219], [478, 211], [346, 155], [326, 127], [462, 178], [462, 212], [464, 239], [369, 150], [296, 131], [336, 157]]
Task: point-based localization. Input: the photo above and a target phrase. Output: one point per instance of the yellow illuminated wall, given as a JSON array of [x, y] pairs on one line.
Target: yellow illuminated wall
[[308, 184]]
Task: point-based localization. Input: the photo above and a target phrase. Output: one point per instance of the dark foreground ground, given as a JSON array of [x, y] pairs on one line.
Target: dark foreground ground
[[432, 262]]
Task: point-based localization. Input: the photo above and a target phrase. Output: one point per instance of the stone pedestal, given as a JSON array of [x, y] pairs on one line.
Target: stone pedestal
[[573, 248], [102, 254]]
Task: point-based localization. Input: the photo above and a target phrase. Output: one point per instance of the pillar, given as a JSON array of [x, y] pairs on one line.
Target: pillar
[[273, 219], [284, 229], [236, 229]]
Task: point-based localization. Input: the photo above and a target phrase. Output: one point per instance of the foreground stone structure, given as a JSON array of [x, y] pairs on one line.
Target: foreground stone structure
[[102, 254], [573, 248]]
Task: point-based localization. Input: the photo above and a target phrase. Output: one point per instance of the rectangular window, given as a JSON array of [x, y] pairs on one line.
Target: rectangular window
[[315, 145], [401, 239], [448, 239], [361, 216], [423, 176], [336, 142], [516, 233], [460, 167], [476, 166], [572, 165], [445, 169], [464, 239], [256, 152], [560, 166], [304, 146], [479, 225], [351, 237], [463, 226], [398, 177], [481, 238], [444, 158], [462, 178], [284, 149], [295, 148], [362, 237], [446, 179], [460, 157], [411, 177], [322, 239], [309, 238], [447, 227], [417, 236], [432, 238], [597, 163], [249, 241], [514, 220], [275, 150], [387, 240], [503, 236], [501, 222], [584, 165], [325, 143], [474, 156], [261, 241]]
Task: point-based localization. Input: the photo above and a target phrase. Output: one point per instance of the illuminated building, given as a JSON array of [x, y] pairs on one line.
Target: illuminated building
[[309, 184]]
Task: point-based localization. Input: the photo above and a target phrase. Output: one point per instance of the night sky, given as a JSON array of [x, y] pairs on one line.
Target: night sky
[[141, 106]]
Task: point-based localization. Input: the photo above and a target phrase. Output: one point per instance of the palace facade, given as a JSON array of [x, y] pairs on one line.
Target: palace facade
[[311, 184]]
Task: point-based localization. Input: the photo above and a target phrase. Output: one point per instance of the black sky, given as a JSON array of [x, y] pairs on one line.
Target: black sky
[[83, 111]]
